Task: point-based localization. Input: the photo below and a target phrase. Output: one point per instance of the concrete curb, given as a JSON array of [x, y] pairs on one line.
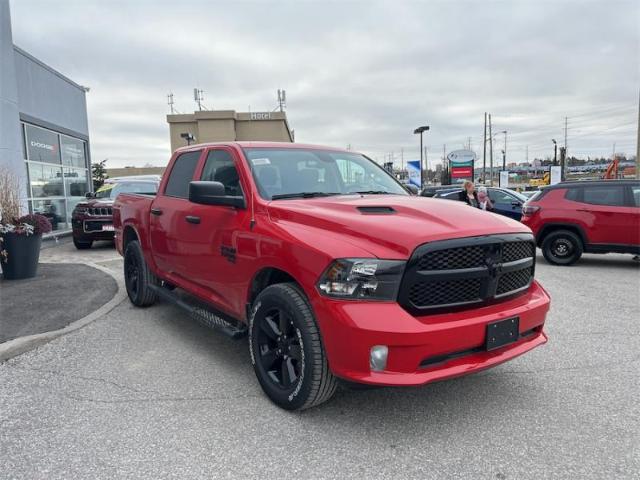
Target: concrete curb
[[20, 345]]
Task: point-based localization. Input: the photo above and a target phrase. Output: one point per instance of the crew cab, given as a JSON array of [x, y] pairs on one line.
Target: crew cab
[[570, 218], [332, 269], [92, 219]]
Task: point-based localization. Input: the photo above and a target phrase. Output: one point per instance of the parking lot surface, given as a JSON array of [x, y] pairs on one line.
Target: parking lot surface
[[148, 393]]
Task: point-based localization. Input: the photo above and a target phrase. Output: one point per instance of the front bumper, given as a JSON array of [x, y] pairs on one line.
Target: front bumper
[[91, 227], [350, 329]]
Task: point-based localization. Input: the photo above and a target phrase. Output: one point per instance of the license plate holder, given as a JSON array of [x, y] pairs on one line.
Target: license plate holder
[[502, 332]]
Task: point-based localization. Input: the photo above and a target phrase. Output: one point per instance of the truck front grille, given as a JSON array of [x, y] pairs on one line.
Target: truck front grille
[[467, 271], [104, 211]]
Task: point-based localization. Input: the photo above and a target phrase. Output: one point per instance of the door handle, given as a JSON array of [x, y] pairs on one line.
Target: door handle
[[192, 219], [156, 211]]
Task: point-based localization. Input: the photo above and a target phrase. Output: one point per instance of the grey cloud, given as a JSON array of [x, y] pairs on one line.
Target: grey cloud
[[360, 73]]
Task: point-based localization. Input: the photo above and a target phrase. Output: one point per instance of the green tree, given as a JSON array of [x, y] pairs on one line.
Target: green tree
[[99, 174]]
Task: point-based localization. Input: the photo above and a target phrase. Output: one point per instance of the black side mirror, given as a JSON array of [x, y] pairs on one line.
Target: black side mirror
[[213, 193], [516, 204], [89, 195], [413, 190]]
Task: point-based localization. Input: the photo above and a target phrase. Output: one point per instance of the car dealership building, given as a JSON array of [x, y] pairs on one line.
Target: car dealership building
[[44, 132]]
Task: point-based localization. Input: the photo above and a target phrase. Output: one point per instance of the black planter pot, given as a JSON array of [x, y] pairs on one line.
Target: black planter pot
[[22, 258]]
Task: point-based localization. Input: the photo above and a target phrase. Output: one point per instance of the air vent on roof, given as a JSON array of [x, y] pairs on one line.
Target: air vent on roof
[[381, 210]]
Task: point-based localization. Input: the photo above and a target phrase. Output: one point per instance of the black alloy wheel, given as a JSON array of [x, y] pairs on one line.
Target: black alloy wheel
[[279, 348], [286, 349], [137, 276]]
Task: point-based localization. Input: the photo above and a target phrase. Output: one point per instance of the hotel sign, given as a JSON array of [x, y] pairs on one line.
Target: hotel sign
[[260, 115]]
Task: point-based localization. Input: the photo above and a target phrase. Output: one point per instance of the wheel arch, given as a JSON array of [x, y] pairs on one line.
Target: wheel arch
[[129, 234], [266, 277], [572, 227]]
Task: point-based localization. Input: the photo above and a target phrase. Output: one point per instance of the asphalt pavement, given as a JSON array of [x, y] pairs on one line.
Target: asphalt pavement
[[55, 297], [149, 393]]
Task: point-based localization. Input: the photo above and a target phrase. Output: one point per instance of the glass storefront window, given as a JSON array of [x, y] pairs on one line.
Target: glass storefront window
[[58, 177], [73, 152], [75, 182], [42, 145], [54, 210], [46, 181]]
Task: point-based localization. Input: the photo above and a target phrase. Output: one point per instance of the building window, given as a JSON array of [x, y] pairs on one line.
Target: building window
[[46, 180], [73, 152], [42, 145], [57, 171]]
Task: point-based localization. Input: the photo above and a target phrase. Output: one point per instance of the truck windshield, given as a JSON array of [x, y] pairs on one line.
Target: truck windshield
[[307, 173], [111, 190]]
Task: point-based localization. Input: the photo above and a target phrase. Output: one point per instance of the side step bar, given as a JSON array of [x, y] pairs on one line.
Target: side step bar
[[203, 315]]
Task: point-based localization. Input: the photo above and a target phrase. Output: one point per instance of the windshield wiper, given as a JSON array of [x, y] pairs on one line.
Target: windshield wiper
[[281, 196], [375, 192]]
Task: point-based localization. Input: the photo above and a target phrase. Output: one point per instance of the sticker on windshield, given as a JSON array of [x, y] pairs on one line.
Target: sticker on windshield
[[261, 161]]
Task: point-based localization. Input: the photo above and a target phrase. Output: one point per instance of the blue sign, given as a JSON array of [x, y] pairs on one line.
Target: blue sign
[[415, 175]]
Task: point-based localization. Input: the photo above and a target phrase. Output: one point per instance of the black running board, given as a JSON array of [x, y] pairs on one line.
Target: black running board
[[203, 315]]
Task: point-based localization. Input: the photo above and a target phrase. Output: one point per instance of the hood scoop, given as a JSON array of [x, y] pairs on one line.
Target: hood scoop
[[376, 210]]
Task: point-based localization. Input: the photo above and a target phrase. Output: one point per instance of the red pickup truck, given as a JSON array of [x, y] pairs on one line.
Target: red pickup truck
[[332, 269]]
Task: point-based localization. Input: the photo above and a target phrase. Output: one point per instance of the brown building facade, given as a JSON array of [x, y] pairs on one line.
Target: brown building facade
[[229, 125]]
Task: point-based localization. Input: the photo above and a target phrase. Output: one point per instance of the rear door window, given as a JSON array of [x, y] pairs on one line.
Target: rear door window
[[572, 194], [181, 174], [635, 191], [609, 195]]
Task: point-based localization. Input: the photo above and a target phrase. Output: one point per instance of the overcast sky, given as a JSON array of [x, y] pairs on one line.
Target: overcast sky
[[359, 73]]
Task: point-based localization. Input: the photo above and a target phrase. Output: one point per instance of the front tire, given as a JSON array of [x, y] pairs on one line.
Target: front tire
[[80, 245], [562, 247], [286, 349], [137, 276]]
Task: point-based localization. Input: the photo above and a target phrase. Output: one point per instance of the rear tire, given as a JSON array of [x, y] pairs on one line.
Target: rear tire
[[286, 349], [137, 276], [80, 245], [562, 247]]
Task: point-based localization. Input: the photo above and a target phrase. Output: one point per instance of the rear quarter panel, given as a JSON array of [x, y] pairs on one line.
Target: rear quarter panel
[[132, 210]]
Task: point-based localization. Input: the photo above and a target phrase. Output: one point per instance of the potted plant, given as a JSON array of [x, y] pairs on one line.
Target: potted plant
[[20, 236]]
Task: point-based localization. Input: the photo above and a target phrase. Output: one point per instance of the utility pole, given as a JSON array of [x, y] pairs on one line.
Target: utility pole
[[490, 151], [426, 162], [469, 143], [484, 150], [504, 157], [444, 162], [565, 135]]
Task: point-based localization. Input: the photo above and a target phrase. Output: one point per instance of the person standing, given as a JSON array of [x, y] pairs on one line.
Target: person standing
[[469, 194]]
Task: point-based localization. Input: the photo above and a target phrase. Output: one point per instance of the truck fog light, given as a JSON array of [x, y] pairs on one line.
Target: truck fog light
[[378, 357]]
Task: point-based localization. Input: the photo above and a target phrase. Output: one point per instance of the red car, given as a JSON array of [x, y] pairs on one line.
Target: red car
[[331, 267], [591, 216]]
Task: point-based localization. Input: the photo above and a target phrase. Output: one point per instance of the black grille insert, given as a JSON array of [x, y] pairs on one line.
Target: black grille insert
[[453, 258], [467, 271], [100, 211], [516, 280], [512, 251]]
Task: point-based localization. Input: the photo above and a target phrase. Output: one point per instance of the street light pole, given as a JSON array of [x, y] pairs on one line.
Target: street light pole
[[421, 130], [555, 152]]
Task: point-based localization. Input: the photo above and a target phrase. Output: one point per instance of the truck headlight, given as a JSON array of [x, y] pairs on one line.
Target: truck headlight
[[362, 278]]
